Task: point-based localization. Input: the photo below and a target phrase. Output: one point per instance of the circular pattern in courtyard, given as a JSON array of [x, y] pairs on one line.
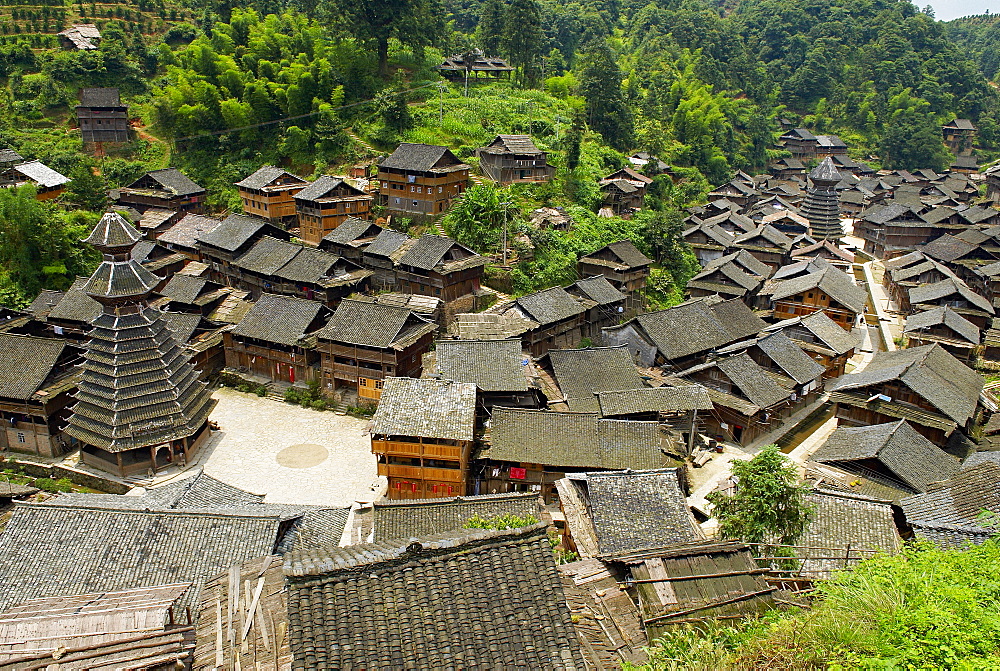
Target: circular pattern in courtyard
[[304, 455]]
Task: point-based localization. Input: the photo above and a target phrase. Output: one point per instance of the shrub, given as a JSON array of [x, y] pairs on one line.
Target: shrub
[[53, 486], [318, 404], [292, 395], [500, 522]]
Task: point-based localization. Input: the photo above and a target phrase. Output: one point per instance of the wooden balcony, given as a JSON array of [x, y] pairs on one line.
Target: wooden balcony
[[433, 451], [418, 473]]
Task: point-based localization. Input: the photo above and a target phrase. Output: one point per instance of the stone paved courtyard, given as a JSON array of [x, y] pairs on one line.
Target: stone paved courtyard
[[291, 454]]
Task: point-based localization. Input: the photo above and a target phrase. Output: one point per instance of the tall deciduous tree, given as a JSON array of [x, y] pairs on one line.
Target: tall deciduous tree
[[601, 87], [912, 136], [523, 36], [491, 27], [413, 22], [769, 505]]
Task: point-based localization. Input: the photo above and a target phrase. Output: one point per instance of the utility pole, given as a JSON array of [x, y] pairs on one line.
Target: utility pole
[[441, 104], [505, 205]]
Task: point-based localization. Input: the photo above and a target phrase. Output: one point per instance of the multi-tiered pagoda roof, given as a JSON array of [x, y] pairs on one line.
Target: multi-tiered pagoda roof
[[137, 389], [822, 204]]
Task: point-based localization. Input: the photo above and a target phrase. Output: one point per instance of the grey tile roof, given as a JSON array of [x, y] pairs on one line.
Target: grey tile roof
[[306, 526], [373, 325], [350, 230], [387, 242], [8, 155], [824, 329], [184, 288], [653, 399], [424, 517], [427, 251], [752, 380], [930, 371], [426, 409], [264, 175], [100, 97], [182, 325], [113, 231], [764, 236], [956, 501], [234, 231], [491, 365], [278, 319], [626, 252], [572, 440], [926, 293], [790, 358], [432, 603], [640, 510], [45, 301], [832, 281], [550, 306], [41, 174], [948, 248], [313, 266], [977, 458], [581, 373], [842, 521], [187, 231], [907, 455], [419, 157], [176, 182], [598, 289], [76, 305], [267, 256], [323, 185], [943, 316], [699, 326], [55, 550], [513, 144], [25, 363]]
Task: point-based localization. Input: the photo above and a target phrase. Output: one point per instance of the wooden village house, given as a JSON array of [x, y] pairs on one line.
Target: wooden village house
[[365, 342], [102, 116], [959, 136], [529, 450], [684, 335], [48, 183], [625, 267], [830, 291], [821, 338], [275, 340], [269, 194], [37, 378], [167, 189], [926, 386], [421, 180], [326, 204], [514, 158], [504, 376], [422, 435]]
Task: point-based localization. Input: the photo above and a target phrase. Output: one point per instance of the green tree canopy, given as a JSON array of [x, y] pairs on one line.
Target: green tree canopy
[[769, 505]]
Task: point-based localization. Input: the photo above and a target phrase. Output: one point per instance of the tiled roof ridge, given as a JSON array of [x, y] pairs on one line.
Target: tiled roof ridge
[[399, 553], [161, 510], [417, 503]]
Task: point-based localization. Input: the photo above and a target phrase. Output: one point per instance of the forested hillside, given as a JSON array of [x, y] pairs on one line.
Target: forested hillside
[[316, 86]]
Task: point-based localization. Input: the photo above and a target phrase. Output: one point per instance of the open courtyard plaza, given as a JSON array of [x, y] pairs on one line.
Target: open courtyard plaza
[[290, 454]]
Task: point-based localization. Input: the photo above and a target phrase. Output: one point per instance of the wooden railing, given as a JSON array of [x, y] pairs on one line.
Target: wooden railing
[[417, 449]]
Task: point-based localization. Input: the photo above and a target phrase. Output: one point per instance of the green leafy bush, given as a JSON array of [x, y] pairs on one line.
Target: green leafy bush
[[53, 486], [500, 522]]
